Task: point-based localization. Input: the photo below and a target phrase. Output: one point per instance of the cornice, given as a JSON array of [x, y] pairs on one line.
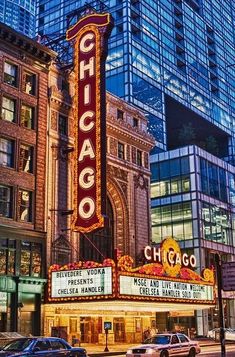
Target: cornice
[[145, 140]]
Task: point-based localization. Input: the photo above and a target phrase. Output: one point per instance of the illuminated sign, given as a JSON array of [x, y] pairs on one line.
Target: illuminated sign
[[90, 35], [169, 254], [164, 289], [81, 283], [169, 280]]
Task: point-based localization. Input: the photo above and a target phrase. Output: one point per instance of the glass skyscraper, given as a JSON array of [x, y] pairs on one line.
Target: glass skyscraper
[[174, 59], [20, 15]]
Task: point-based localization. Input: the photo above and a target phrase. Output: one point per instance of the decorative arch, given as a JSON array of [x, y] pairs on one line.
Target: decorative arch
[[117, 194]]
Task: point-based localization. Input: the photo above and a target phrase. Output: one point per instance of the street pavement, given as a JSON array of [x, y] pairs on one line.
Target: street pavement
[[209, 349]]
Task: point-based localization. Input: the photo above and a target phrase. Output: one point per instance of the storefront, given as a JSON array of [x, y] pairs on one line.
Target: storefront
[[21, 281], [161, 295]]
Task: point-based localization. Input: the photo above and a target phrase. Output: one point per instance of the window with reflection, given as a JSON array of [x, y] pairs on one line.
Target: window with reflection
[[5, 201], [170, 187], [29, 83], [25, 258], [3, 258], [11, 262], [27, 116], [213, 180], [173, 220], [25, 205], [36, 252], [7, 256], [216, 223], [26, 158], [7, 147], [8, 109], [10, 74]]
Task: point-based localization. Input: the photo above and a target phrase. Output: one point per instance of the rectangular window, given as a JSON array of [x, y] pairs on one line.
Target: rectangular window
[[11, 262], [29, 83], [8, 109], [135, 122], [120, 114], [5, 201], [139, 158], [121, 152], [27, 116], [25, 206], [26, 158], [3, 261], [6, 152], [36, 259], [63, 125], [10, 74], [25, 258]]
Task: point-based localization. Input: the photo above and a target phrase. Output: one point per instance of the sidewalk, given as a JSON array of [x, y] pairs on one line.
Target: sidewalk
[[120, 349]]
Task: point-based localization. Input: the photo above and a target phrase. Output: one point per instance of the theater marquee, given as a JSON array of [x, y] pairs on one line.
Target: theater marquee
[[169, 279], [90, 35]]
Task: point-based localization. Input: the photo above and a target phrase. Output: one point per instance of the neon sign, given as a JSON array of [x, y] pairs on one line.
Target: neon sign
[[90, 35], [169, 254]]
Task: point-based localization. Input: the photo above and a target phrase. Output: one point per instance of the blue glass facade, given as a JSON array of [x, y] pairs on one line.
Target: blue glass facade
[[20, 15], [193, 200], [177, 48]]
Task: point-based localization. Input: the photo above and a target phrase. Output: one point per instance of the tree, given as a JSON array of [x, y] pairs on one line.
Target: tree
[[211, 145], [187, 134]]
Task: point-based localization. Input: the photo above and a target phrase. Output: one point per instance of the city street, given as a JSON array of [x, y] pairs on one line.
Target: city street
[[213, 351]]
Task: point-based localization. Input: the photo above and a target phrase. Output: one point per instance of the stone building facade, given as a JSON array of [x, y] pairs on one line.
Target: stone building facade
[[127, 228], [128, 176], [24, 67]]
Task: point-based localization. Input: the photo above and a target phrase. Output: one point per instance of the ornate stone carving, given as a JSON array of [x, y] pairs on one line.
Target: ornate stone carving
[[146, 160], [54, 120], [113, 146], [128, 154], [117, 172], [141, 182]]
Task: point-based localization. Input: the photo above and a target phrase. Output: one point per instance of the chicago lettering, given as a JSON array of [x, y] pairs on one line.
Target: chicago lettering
[[86, 178], [157, 255]]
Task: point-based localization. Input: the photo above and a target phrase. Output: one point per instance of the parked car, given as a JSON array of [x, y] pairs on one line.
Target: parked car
[[166, 345], [7, 337], [41, 346], [228, 332]]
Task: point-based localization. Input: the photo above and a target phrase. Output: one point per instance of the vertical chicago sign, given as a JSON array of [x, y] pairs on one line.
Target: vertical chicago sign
[[90, 36]]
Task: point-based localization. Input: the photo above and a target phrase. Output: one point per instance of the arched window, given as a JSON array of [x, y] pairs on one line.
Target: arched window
[[61, 251], [99, 245]]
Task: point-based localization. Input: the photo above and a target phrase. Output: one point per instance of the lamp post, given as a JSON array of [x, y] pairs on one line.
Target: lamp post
[[221, 313]]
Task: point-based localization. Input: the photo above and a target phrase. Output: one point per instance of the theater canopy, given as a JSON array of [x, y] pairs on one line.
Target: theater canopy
[[167, 281]]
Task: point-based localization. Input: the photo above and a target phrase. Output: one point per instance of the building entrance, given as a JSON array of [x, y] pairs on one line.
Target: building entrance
[[119, 329], [3, 321]]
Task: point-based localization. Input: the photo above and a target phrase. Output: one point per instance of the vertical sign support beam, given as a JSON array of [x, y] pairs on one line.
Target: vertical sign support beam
[[221, 314]]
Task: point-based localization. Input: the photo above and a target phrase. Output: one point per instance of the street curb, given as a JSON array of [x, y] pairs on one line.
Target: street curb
[[117, 353], [106, 354]]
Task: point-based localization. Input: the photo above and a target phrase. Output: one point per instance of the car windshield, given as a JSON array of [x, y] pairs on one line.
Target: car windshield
[[159, 340], [17, 345]]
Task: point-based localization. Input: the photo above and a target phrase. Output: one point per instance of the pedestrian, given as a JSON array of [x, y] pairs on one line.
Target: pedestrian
[[147, 333]]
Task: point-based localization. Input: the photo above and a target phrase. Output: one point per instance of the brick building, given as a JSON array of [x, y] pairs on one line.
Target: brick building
[[128, 183], [24, 67]]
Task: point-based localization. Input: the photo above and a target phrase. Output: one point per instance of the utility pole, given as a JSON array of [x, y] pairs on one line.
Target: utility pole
[[221, 310]]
